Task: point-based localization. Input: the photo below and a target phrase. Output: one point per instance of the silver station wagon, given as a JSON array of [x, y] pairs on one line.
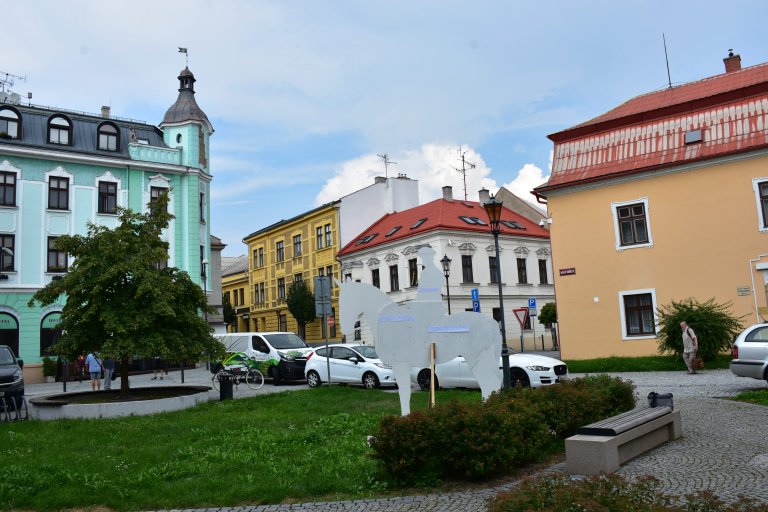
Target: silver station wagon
[[750, 353]]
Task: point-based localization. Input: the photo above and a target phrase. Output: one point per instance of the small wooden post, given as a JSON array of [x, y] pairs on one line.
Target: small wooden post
[[431, 375]]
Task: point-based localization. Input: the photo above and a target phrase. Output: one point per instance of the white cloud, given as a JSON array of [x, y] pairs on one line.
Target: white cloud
[[528, 178]]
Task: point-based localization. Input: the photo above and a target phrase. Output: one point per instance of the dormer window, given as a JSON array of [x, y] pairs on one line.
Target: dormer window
[[59, 130], [10, 123], [108, 137]]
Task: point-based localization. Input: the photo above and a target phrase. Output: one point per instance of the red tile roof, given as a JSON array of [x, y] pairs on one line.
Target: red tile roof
[[439, 214], [649, 132]]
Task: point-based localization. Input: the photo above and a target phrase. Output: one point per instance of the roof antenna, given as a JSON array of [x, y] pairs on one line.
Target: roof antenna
[[186, 54], [666, 57], [387, 163], [463, 169]]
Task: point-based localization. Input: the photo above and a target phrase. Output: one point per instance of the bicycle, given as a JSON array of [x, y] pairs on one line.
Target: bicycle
[[244, 370]]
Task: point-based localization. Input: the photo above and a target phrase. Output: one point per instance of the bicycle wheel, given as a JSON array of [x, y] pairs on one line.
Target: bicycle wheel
[[215, 380], [254, 378]]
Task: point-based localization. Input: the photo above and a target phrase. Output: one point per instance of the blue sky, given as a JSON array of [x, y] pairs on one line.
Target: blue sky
[[304, 94]]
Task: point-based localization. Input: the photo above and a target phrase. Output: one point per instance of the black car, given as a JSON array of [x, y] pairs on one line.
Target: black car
[[11, 378]]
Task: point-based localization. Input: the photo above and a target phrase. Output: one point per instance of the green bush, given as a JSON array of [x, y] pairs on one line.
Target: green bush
[[49, 367], [507, 431], [607, 493], [714, 325]]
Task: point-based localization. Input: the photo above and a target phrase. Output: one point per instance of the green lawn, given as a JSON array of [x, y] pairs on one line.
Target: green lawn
[[758, 396]]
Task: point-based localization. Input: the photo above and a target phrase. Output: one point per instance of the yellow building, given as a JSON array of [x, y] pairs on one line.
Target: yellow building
[[235, 290], [299, 248], [663, 198]]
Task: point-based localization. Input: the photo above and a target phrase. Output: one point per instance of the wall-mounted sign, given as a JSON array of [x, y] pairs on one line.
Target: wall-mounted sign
[[743, 290], [567, 271]]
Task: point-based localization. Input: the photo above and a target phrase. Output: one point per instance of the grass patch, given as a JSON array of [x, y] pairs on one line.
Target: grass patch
[[640, 364], [302, 445], [758, 396]]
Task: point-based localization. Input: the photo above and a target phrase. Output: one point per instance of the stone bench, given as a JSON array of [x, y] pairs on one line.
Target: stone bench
[[603, 446]]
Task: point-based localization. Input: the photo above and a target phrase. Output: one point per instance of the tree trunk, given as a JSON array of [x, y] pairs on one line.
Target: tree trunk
[[124, 384]]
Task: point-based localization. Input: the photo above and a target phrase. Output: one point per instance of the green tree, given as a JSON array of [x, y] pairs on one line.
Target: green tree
[[715, 326], [119, 300], [230, 315], [548, 314], [301, 303]]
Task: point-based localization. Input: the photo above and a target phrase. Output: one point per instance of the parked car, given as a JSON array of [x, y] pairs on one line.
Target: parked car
[[282, 354], [526, 369], [11, 376], [351, 364], [750, 353]]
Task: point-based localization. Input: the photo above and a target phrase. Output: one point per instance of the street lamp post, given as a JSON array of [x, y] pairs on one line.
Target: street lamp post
[[493, 209], [446, 263]]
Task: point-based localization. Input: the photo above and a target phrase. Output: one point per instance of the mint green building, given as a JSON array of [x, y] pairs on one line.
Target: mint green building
[[60, 169]]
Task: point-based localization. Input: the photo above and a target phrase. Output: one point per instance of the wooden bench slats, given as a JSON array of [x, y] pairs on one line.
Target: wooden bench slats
[[615, 425]]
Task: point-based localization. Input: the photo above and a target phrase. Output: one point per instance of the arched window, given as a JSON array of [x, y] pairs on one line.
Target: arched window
[[59, 130], [10, 123], [49, 331], [9, 332], [108, 137]]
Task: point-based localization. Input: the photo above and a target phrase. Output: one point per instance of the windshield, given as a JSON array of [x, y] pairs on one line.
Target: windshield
[[285, 340], [367, 351], [5, 356]]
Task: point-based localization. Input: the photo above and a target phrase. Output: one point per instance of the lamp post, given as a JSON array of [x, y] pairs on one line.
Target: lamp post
[[493, 209], [446, 263]]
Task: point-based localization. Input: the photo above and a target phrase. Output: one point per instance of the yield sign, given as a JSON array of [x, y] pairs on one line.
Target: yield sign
[[522, 315]]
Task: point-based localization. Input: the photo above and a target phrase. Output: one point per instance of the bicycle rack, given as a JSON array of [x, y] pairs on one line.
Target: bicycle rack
[[20, 409]]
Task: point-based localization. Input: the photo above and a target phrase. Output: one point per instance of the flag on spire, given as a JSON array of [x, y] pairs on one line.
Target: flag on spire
[[182, 50]]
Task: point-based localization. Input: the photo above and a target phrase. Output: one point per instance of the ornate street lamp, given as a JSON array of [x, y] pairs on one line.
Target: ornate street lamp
[[446, 263], [493, 209]]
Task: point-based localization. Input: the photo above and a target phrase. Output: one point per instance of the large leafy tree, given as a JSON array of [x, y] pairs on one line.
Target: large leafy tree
[[301, 303], [121, 301], [715, 326]]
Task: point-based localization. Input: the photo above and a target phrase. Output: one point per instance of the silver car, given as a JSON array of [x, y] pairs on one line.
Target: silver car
[[750, 353]]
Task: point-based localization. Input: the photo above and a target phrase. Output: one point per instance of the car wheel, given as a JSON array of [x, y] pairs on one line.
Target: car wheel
[[370, 380], [275, 374], [313, 379], [423, 380], [520, 377]]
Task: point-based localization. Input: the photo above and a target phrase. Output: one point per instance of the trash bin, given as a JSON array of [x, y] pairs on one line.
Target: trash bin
[[660, 400], [226, 380]]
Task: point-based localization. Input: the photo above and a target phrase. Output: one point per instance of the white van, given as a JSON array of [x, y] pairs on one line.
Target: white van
[[283, 355]]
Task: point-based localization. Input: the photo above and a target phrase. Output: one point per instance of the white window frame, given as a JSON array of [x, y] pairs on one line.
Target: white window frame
[[654, 304], [616, 232], [756, 182]]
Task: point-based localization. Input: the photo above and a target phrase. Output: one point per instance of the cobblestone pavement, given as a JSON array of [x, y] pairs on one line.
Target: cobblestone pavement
[[723, 448]]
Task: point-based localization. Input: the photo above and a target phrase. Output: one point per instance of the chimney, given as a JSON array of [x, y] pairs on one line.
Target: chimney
[[379, 179], [484, 196], [732, 62], [105, 111], [448, 193]]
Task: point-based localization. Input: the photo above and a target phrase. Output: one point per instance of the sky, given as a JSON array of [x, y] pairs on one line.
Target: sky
[[305, 94]]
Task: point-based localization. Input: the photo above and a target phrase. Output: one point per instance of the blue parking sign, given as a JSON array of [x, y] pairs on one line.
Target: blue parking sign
[[532, 302], [475, 294]]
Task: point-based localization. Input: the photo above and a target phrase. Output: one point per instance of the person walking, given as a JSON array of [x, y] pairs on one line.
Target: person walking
[[109, 368], [94, 368], [690, 346]]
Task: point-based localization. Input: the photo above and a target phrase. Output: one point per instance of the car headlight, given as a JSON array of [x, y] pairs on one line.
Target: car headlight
[[382, 365], [286, 357], [538, 368], [17, 375]]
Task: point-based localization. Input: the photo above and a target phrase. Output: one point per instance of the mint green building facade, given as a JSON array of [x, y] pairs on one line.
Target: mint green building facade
[[60, 170]]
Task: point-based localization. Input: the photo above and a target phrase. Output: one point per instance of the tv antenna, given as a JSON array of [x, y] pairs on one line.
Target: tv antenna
[[666, 57], [387, 162], [464, 169], [8, 79]]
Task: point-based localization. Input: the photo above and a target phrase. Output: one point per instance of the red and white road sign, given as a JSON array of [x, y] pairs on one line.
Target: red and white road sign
[[522, 315]]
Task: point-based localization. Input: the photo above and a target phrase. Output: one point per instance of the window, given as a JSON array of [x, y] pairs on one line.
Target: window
[[329, 273], [107, 197], [466, 269], [283, 324], [57, 259], [297, 246], [297, 278], [59, 130], [58, 193], [631, 224], [375, 278], [494, 267], [203, 263], [281, 288], [154, 196], [7, 189], [10, 122], [7, 253], [319, 232], [522, 271], [413, 272], [638, 313], [108, 137], [419, 223], [255, 258], [328, 240], [280, 253], [242, 295], [262, 294], [202, 207], [393, 231], [394, 283], [761, 194], [543, 279], [260, 262]]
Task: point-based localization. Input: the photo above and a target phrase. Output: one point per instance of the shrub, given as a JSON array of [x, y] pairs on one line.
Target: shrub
[[509, 430], [714, 325], [49, 367]]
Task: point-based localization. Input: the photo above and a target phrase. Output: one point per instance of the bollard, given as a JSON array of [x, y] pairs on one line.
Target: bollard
[[226, 381]]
